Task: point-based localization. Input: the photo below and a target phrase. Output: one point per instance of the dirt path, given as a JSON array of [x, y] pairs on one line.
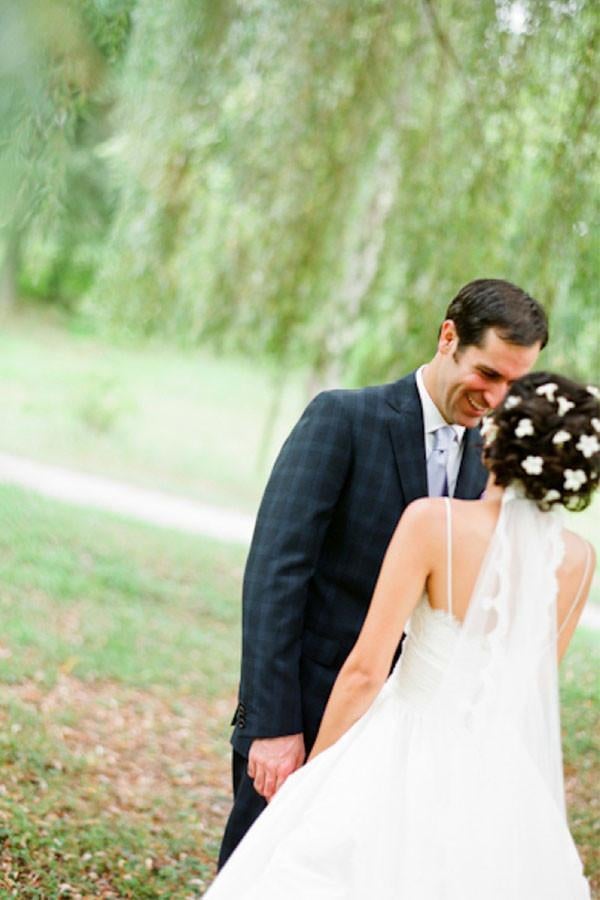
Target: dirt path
[[155, 507]]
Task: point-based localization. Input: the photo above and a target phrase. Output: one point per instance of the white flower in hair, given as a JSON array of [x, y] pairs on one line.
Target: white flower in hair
[[548, 390], [511, 402], [564, 405], [596, 424], [489, 431], [551, 495], [533, 465], [574, 478], [588, 444], [561, 437], [594, 391], [524, 428]]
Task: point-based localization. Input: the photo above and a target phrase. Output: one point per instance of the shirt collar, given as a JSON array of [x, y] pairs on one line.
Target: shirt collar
[[432, 417]]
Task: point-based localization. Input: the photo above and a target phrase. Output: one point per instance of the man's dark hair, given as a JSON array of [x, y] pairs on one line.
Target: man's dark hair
[[492, 303]]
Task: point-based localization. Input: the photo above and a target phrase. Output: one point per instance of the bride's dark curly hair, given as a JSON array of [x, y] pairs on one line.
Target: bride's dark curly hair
[[546, 436]]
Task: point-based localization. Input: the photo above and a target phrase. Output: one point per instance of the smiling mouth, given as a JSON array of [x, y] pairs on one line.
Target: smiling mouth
[[480, 410]]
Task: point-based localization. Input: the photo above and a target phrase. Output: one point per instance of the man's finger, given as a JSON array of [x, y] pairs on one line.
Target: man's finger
[[264, 782], [268, 786], [259, 780]]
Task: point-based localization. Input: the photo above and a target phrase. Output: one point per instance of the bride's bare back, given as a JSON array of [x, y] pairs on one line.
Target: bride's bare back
[[473, 524]]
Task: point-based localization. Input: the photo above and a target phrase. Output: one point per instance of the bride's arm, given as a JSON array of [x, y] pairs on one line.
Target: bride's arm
[[406, 567], [577, 590]]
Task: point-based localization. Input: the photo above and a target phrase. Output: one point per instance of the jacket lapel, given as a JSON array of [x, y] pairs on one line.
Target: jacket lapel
[[406, 432], [472, 475], [407, 435]]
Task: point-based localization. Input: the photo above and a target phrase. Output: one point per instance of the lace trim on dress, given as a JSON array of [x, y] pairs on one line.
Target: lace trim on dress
[[511, 618]]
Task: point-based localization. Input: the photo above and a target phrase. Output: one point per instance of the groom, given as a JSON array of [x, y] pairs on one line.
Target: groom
[[345, 474]]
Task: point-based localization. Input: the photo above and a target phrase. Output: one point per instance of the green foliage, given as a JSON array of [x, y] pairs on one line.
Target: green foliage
[[343, 168], [55, 207], [313, 182], [102, 404]]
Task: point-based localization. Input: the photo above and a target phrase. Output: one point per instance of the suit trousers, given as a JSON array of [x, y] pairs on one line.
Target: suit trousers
[[247, 806]]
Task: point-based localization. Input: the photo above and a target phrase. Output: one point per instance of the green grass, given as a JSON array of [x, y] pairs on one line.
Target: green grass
[[119, 649], [164, 417], [580, 703], [112, 599], [118, 665]]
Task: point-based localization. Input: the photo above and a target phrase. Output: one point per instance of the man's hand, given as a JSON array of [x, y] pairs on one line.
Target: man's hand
[[271, 760]]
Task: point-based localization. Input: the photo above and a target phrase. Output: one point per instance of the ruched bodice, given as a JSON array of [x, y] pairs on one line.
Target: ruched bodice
[[431, 637]]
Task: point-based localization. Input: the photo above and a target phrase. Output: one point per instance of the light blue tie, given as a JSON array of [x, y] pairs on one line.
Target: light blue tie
[[437, 464]]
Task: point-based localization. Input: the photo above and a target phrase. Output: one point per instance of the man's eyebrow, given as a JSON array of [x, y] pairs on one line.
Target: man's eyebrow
[[493, 374], [490, 373]]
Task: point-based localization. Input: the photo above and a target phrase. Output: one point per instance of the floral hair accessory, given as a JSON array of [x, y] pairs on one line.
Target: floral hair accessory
[[564, 405], [594, 391], [511, 402], [588, 445], [533, 465], [548, 390], [551, 495], [489, 431], [524, 428], [561, 437], [596, 424], [574, 479]]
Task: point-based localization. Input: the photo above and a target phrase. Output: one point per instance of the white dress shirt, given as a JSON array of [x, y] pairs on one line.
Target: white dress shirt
[[432, 420]]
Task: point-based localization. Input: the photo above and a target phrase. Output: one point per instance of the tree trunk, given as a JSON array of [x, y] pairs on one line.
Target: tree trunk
[[9, 272]]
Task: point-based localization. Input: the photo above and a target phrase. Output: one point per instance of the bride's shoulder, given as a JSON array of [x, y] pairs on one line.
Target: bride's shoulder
[[424, 511], [428, 519], [427, 511], [424, 519], [574, 576], [577, 553]]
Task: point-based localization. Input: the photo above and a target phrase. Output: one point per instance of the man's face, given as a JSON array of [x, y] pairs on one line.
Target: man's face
[[476, 379]]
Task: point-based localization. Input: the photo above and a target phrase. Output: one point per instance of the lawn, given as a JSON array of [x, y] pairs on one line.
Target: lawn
[[158, 416], [118, 665]]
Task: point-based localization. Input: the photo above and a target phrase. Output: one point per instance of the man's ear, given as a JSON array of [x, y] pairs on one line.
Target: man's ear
[[448, 339]]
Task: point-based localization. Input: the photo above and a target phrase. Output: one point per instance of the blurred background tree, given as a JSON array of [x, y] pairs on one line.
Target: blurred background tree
[[59, 64], [307, 182]]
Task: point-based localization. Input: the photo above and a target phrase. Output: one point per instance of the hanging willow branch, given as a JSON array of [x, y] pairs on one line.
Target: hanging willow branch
[[448, 50]]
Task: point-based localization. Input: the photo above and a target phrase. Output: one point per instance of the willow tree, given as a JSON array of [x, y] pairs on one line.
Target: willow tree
[[56, 61], [311, 182]]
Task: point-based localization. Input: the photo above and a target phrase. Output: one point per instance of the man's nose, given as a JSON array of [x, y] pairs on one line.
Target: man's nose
[[494, 395]]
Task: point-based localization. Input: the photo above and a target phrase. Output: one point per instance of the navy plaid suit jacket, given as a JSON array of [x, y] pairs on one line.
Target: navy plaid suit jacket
[[345, 474]]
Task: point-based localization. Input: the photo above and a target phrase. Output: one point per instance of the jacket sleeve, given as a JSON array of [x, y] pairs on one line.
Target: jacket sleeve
[[297, 505]]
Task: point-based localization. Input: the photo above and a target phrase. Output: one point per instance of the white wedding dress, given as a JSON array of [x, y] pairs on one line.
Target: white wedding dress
[[450, 786]]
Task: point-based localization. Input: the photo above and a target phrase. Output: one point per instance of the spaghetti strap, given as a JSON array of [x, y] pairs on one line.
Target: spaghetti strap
[[588, 556], [448, 554]]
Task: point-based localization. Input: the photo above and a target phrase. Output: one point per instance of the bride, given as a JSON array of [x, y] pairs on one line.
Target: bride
[[444, 782]]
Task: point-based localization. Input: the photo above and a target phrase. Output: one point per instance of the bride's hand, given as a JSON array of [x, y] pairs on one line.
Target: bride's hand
[[271, 760]]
